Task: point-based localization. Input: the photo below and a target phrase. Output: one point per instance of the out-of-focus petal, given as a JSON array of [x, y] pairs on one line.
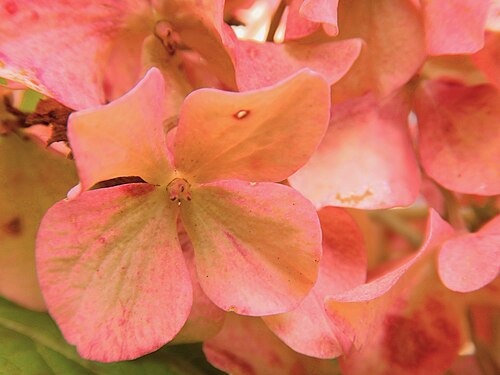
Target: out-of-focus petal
[[395, 45], [471, 261], [123, 138], [366, 159], [60, 48], [360, 310], [226, 135], [306, 16], [112, 271], [245, 346], [264, 64], [257, 245], [487, 58], [32, 179], [459, 135], [454, 26], [200, 25]]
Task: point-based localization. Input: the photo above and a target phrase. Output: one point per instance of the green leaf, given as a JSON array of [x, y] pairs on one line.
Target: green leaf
[[30, 100], [30, 343]]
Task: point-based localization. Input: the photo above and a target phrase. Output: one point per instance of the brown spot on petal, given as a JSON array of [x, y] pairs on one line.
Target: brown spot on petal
[[13, 227], [241, 114], [354, 198]]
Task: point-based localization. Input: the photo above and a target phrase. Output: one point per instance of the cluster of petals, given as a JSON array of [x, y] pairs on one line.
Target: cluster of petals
[[242, 161]]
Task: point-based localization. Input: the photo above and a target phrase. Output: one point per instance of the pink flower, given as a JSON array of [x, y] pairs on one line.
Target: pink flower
[[109, 261]]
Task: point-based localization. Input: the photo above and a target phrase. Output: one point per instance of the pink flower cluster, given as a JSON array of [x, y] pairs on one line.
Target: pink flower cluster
[[250, 194]]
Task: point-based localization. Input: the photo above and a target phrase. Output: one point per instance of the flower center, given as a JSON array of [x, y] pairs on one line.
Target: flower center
[[179, 190]]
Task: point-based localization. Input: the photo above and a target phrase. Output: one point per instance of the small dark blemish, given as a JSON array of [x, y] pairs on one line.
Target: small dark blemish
[[13, 227]]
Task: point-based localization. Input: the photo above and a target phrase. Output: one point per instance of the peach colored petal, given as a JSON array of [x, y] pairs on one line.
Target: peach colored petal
[[25, 194], [459, 135], [123, 138], [366, 159], [471, 261], [225, 135], [112, 271], [454, 26], [257, 245], [395, 45], [245, 346], [264, 64], [307, 329], [200, 25], [60, 48]]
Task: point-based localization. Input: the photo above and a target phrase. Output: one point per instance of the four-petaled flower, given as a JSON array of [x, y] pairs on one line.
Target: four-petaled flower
[[109, 262]]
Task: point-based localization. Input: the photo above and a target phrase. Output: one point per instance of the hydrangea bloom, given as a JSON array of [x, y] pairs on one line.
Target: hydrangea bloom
[[109, 261]]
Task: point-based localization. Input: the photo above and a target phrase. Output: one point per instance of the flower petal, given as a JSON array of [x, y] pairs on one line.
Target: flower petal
[[307, 329], [226, 135], [112, 271], [60, 48], [123, 138], [395, 45], [471, 261], [366, 159], [487, 58], [459, 135], [257, 246], [245, 346], [32, 179], [205, 319], [306, 16], [264, 64], [200, 25], [454, 26], [418, 335], [358, 311]]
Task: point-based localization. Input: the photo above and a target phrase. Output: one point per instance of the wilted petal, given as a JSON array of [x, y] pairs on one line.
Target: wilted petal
[[32, 179], [60, 48], [264, 64], [205, 319], [226, 135], [471, 261], [257, 246], [245, 346], [454, 26], [366, 159], [459, 135], [360, 310], [307, 329], [123, 138], [394, 35], [112, 271]]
